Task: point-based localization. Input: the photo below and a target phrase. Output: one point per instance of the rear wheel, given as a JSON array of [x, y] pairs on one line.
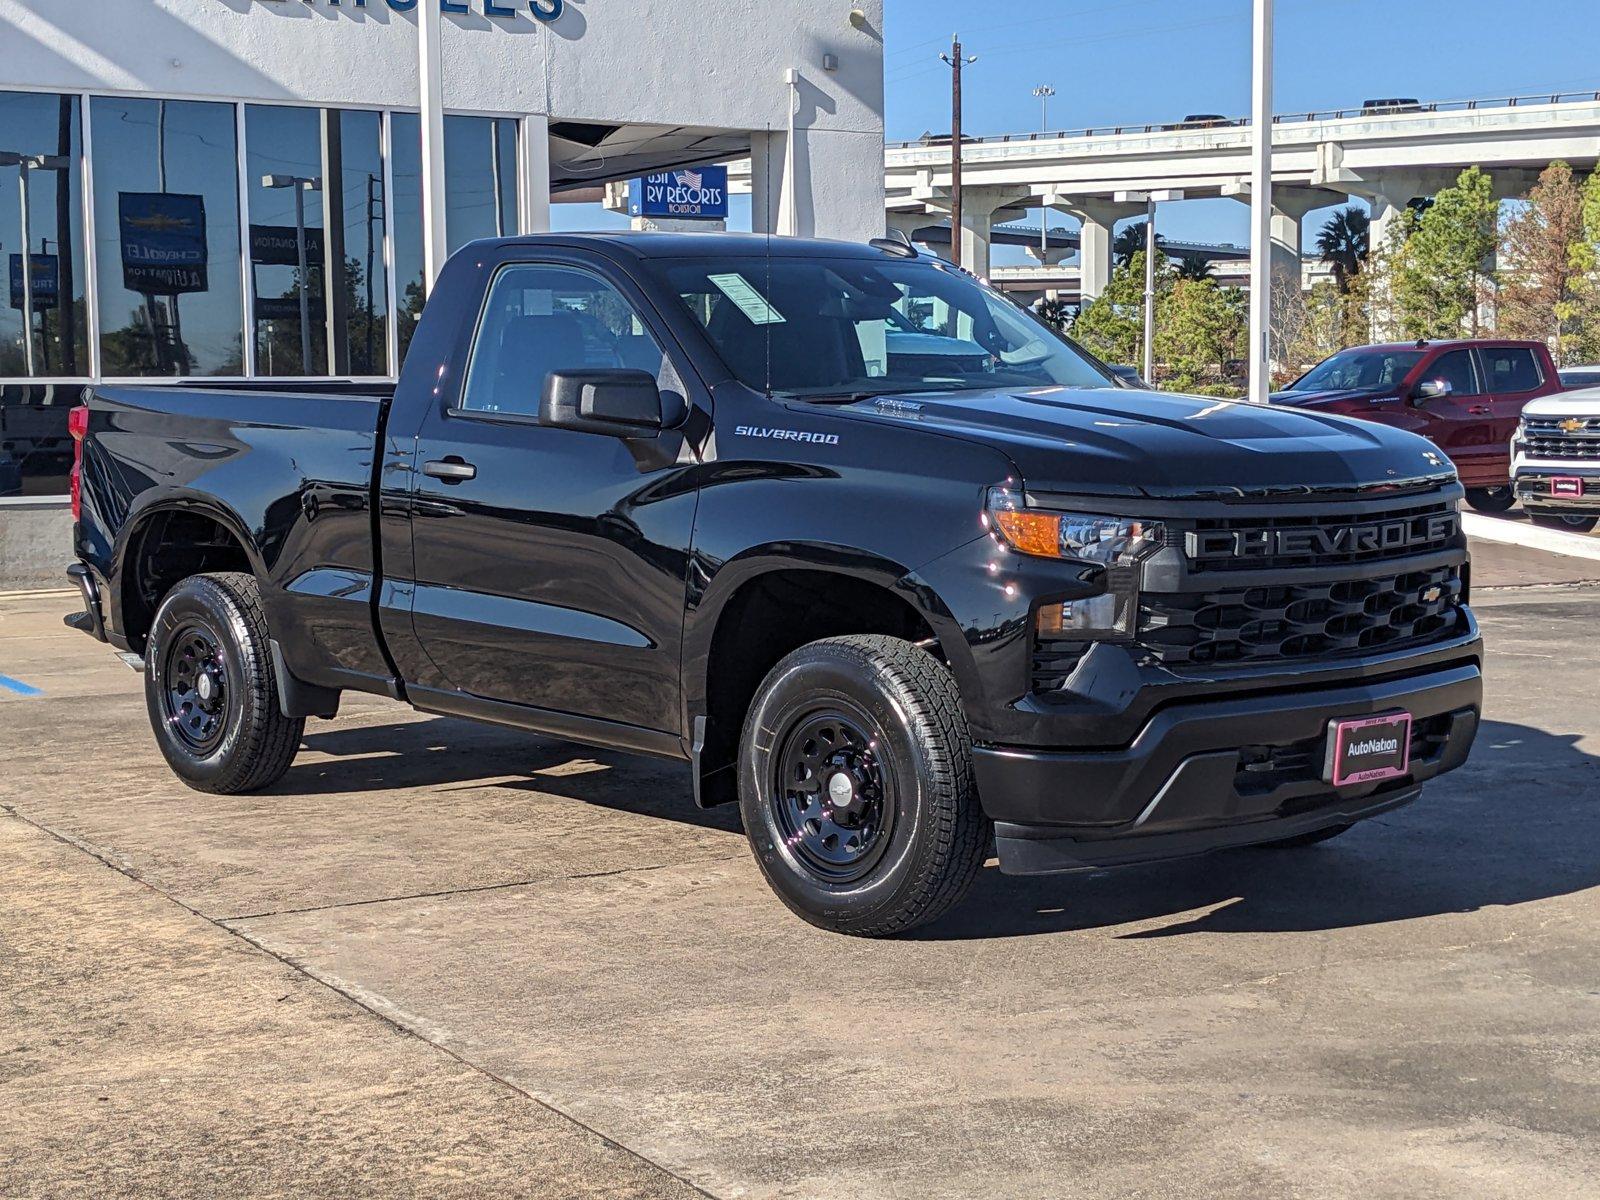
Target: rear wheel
[[855, 784], [210, 689], [1492, 500], [1568, 524]]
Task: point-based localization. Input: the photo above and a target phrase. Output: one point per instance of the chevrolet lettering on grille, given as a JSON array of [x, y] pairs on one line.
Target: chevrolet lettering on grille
[[1324, 541]]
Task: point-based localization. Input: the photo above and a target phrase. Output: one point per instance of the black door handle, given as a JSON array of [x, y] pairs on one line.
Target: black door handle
[[451, 470]]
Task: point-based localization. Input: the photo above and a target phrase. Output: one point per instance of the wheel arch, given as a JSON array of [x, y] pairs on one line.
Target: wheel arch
[[165, 542], [769, 602]]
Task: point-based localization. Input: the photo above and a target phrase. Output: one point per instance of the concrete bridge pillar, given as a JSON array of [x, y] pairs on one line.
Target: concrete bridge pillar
[[1099, 217], [978, 209]]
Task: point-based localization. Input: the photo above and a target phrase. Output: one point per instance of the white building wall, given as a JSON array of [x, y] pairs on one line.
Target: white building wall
[[715, 63]]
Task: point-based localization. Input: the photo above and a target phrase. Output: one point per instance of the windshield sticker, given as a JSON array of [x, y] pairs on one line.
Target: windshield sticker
[[751, 302]]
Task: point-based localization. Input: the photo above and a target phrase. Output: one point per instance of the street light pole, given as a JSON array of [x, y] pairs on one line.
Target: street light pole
[[24, 163], [301, 184], [1151, 249], [1150, 290], [955, 62], [435, 248], [1261, 205], [1044, 91]]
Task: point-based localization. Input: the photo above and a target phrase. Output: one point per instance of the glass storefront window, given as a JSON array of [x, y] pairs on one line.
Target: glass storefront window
[[302, 165], [166, 218], [359, 299], [44, 328], [283, 175], [480, 179]]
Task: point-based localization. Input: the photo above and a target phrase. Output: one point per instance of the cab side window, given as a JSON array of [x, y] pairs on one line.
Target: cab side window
[[541, 319], [1511, 370], [1456, 368]]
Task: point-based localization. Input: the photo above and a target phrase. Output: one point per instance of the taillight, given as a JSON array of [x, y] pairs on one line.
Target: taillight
[[78, 427]]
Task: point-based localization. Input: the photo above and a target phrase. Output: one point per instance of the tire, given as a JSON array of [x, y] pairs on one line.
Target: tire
[[1492, 500], [886, 718], [1565, 524], [210, 690], [1305, 839]]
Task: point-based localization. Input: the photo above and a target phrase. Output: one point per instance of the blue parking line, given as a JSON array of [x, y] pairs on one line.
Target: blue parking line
[[20, 688]]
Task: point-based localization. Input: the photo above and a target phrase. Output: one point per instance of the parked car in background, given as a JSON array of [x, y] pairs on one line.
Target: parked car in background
[[1464, 396], [1573, 378], [1555, 460]]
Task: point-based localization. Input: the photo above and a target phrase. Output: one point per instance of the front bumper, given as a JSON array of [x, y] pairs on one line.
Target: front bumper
[[1533, 484], [1206, 775]]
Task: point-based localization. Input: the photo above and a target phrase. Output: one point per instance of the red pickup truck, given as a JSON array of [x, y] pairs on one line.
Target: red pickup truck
[[1464, 396]]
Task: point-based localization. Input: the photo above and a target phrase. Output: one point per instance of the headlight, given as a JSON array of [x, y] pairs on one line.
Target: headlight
[[1088, 537]]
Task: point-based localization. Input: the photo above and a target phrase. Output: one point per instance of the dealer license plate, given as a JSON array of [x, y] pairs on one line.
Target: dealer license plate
[[1567, 486], [1368, 750]]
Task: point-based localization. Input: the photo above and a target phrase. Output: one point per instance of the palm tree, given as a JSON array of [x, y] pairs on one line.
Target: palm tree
[[1344, 243], [1193, 266], [1130, 242]]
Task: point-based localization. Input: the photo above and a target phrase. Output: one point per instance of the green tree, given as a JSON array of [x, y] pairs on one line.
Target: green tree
[[1344, 243], [1131, 241], [1200, 329], [1546, 257], [1112, 327], [1446, 271]]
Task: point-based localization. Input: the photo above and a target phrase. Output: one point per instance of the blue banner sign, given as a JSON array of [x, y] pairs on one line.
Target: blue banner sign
[[163, 242], [693, 194], [46, 281]]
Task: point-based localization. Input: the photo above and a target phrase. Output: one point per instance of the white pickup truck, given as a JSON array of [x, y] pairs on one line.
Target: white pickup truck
[[1555, 460]]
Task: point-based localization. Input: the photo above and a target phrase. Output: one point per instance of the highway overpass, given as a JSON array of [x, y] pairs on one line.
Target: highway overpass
[[1319, 159]]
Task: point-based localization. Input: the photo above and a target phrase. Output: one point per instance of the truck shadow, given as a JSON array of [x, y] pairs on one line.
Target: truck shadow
[[1520, 822]]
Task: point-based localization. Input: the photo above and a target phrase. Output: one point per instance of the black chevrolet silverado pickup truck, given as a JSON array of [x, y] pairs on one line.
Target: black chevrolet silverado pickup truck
[[889, 563]]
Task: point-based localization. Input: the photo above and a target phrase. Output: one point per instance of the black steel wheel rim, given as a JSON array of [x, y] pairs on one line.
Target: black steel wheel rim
[[194, 687], [833, 796]]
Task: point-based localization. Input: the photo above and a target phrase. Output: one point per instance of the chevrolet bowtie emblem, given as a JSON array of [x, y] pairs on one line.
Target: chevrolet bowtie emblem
[[1572, 425]]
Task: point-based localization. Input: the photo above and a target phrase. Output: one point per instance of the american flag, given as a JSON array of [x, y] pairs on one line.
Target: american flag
[[690, 179]]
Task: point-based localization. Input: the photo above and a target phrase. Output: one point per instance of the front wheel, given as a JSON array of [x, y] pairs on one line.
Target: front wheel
[[855, 784], [1567, 524], [210, 689], [1492, 500]]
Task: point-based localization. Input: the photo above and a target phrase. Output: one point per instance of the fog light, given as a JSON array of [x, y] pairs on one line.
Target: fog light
[[1102, 616]]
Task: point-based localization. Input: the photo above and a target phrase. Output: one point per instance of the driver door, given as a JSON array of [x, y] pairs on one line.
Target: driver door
[[551, 565]]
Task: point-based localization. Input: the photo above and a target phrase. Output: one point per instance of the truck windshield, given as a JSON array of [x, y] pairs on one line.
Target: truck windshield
[[834, 329], [1359, 370]]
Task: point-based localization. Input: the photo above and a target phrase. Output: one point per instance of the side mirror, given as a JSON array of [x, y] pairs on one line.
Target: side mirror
[[1433, 389], [613, 402]]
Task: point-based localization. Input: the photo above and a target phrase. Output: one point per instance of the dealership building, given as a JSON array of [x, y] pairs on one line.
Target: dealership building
[[235, 189]]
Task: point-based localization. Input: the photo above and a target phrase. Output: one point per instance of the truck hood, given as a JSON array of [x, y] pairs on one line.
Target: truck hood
[[1584, 402], [1122, 442]]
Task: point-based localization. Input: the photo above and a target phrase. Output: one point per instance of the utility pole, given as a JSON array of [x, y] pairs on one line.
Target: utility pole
[[1261, 206], [435, 248], [1152, 247], [955, 62], [1044, 91]]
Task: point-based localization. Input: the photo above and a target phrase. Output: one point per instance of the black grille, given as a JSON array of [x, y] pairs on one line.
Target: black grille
[[1547, 439], [1301, 620], [1334, 539]]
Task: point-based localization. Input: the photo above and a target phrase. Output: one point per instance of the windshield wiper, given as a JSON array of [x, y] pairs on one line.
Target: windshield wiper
[[860, 394]]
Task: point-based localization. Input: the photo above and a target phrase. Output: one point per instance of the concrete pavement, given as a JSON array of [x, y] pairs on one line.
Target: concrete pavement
[[569, 946]]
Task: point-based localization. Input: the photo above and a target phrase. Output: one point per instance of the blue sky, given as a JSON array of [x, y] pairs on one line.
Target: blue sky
[[1131, 62], [1136, 61]]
